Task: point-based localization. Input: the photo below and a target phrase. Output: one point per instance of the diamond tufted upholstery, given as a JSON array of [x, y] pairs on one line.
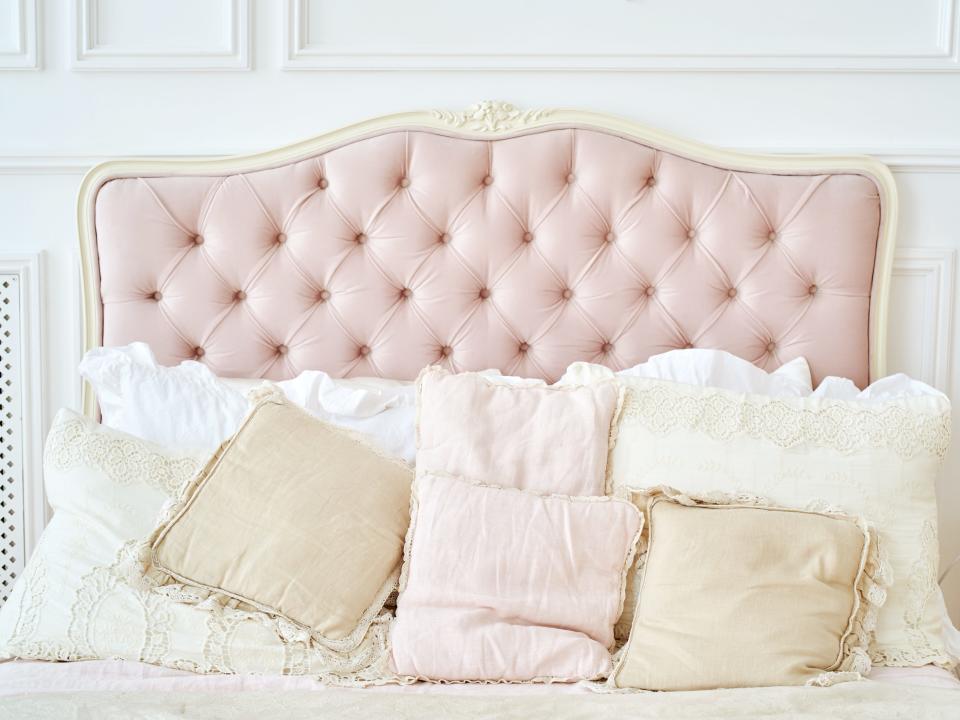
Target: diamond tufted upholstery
[[523, 253]]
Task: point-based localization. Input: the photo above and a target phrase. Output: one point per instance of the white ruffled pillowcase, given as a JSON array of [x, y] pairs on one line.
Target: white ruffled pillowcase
[[189, 408]]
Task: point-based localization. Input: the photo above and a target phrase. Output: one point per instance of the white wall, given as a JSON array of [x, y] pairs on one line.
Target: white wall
[[82, 80]]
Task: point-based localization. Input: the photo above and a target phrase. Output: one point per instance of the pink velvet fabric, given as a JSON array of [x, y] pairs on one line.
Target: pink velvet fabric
[[550, 440], [526, 253], [503, 584]]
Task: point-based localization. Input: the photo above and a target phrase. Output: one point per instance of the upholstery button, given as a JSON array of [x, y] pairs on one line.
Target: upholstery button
[[199, 352], [240, 295], [323, 184], [650, 291], [488, 180], [771, 346], [361, 239], [771, 236], [364, 350], [404, 182], [812, 290], [607, 348], [732, 293], [688, 346], [524, 347], [484, 293], [446, 350], [281, 238], [570, 178], [567, 294], [281, 349], [406, 293], [198, 239], [691, 233], [445, 238], [610, 237], [651, 181], [158, 296], [528, 237], [323, 295]]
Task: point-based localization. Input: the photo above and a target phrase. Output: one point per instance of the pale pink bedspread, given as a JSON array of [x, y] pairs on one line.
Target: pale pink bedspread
[[26, 676], [118, 690]]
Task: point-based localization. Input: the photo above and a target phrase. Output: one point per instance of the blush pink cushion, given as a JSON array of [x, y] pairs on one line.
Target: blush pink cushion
[[503, 584], [547, 439]]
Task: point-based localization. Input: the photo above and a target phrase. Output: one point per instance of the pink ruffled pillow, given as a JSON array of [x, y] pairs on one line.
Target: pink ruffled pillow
[[501, 584], [534, 437]]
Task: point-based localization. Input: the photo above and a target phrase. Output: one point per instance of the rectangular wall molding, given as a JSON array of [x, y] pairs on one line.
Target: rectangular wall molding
[[814, 36], [142, 35], [922, 306], [22, 502], [19, 36]]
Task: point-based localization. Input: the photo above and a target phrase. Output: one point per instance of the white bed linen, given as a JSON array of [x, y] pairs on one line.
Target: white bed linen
[[117, 689]]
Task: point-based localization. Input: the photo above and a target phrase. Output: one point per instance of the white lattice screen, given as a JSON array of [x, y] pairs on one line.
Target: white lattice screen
[[12, 515]]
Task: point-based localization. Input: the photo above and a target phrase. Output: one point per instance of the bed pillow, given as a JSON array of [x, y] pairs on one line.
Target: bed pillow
[[548, 439], [78, 597], [746, 595], [501, 584], [292, 517], [712, 368], [186, 406], [878, 459]]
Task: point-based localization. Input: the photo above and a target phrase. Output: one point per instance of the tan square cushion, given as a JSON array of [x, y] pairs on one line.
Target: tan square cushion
[[296, 518], [745, 595]]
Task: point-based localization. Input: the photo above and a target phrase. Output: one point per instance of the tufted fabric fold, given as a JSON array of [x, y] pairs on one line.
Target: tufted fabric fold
[[523, 253]]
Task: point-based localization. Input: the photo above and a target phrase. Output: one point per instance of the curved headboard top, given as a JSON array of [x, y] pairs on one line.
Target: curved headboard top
[[490, 238]]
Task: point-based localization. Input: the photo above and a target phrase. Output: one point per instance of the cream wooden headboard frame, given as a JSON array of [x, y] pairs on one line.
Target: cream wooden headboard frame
[[493, 119]]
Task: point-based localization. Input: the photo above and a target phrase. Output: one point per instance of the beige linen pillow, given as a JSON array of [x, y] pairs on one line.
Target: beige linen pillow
[[738, 595], [295, 518]]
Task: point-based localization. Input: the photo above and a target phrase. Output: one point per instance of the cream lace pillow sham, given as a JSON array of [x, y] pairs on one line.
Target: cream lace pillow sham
[[292, 517], [738, 595], [78, 597], [542, 438], [878, 460]]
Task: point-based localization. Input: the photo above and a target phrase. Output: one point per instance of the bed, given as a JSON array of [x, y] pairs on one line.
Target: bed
[[488, 238]]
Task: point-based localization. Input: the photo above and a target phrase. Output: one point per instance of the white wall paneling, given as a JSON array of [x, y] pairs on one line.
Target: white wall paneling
[[18, 35], [168, 35], [921, 314], [22, 503], [818, 76], [697, 35]]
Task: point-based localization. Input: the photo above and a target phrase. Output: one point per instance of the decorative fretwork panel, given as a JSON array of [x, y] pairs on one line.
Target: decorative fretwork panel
[[12, 538]]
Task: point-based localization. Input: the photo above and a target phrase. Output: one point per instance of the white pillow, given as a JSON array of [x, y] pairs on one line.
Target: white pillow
[[188, 407], [79, 596], [710, 368], [184, 407]]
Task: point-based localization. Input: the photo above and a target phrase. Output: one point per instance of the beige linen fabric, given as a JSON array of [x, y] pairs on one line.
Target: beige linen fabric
[[748, 596], [298, 518]]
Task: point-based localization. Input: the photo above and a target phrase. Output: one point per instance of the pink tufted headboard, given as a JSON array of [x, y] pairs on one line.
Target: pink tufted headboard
[[491, 238]]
